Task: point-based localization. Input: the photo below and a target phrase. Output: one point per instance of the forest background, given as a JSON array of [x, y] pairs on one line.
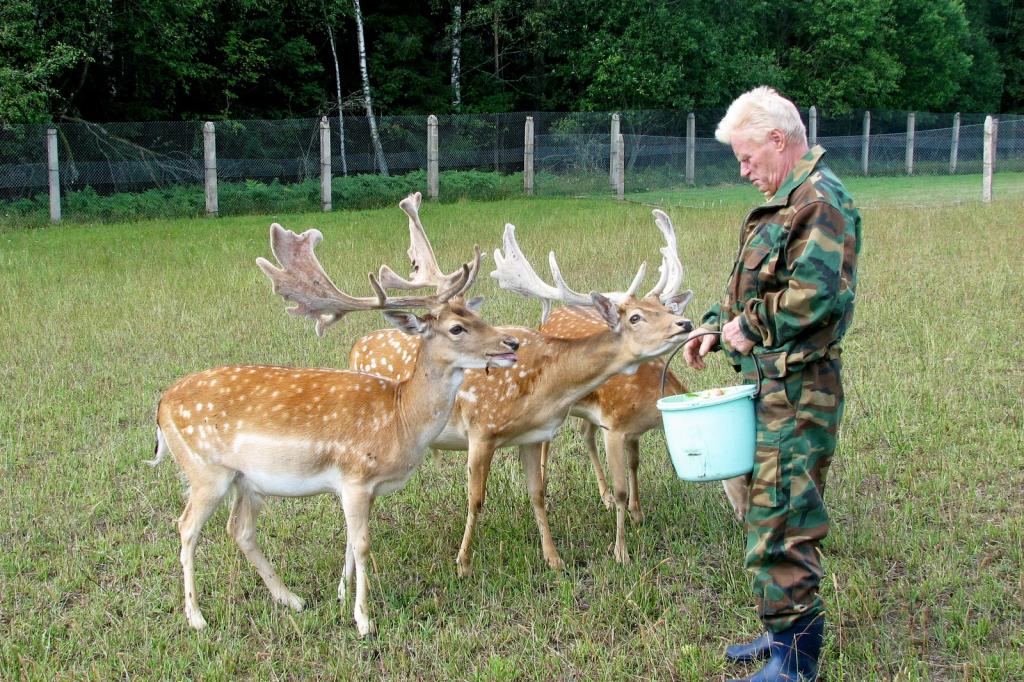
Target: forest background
[[149, 60]]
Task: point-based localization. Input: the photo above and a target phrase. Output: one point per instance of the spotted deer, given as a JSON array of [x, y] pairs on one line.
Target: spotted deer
[[525, 405], [287, 432], [624, 407]]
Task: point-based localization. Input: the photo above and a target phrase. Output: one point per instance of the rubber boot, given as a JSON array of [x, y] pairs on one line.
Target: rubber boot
[[758, 650], [794, 653]]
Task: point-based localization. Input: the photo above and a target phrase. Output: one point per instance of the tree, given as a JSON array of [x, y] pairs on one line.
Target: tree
[[456, 55], [35, 58], [382, 164], [329, 27]]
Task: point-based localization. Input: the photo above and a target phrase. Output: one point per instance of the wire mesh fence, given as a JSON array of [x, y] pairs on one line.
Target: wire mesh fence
[[572, 153]]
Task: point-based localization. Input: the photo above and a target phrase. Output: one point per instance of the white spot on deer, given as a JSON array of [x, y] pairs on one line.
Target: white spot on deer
[[209, 406], [199, 407], [275, 394], [468, 396], [185, 413], [189, 429]]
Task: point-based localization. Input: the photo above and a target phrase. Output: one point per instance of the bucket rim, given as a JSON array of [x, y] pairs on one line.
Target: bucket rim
[[686, 401]]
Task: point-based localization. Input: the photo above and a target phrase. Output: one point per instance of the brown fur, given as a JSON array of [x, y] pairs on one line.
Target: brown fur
[[525, 404], [293, 432]]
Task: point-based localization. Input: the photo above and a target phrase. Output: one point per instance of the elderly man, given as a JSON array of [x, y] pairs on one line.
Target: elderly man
[[788, 303]]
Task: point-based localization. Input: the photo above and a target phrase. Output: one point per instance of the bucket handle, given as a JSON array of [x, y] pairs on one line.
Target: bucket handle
[[664, 371]]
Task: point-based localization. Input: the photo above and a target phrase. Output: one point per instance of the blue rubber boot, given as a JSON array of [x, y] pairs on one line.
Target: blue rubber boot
[[758, 650], [794, 653]]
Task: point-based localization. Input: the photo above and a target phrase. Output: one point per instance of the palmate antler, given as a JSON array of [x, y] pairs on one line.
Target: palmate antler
[[302, 280], [671, 268], [514, 273], [425, 270]]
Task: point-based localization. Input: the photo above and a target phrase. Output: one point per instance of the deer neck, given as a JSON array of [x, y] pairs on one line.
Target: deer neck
[[585, 363], [426, 398]]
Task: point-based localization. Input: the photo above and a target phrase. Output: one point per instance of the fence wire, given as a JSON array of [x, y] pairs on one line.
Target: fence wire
[[572, 151]]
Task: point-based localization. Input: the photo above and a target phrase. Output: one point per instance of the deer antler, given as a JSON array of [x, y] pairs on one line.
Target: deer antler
[[302, 280], [425, 270], [671, 267], [514, 273]]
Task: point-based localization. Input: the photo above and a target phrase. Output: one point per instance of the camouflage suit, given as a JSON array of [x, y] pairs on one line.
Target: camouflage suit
[[793, 287]]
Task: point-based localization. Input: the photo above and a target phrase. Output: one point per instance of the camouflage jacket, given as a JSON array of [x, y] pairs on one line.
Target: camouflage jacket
[[795, 275]]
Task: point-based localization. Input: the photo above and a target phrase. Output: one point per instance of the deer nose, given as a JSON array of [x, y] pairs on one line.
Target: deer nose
[[512, 344], [686, 325]]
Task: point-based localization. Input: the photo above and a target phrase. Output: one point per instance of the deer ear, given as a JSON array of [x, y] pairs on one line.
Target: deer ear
[[475, 303], [608, 311], [407, 322], [677, 304]]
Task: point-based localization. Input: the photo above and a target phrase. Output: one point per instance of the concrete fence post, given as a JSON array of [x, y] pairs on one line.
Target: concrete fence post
[[911, 118], [987, 156], [528, 157], [620, 167], [691, 148], [613, 150], [53, 168], [433, 174], [210, 167], [812, 128], [954, 145], [865, 146], [325, 164]]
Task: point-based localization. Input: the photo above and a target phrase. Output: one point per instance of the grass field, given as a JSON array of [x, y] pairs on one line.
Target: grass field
[[923, 564]]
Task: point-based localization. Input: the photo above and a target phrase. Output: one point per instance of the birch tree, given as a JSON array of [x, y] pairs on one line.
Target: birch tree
[[378, 151], [337, 89], [456, 55]]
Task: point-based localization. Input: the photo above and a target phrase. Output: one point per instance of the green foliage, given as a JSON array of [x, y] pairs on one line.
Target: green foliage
[[31, 63], [254, 197], [190, 59]]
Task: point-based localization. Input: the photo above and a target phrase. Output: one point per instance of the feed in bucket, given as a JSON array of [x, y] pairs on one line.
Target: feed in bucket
[[710, 433]]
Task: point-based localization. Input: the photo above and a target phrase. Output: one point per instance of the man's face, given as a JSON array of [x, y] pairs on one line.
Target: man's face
[[765, 163]]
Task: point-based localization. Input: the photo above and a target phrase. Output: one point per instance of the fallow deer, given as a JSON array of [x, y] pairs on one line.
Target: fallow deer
[[624, 407], [527, 404], [286, 432]]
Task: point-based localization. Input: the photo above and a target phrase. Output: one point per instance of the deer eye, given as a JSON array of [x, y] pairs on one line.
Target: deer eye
[[456, 330], [635, 317]]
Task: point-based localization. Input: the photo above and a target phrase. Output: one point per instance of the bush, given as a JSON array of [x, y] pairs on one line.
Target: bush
[[255, 197]]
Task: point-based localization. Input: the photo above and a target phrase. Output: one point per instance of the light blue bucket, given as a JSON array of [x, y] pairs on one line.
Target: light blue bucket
[[710, 434]]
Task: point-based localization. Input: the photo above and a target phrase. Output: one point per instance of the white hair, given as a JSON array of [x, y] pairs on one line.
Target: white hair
[[757, 113]]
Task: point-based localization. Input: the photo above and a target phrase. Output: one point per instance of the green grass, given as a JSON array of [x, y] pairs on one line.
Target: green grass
[[923, 563]]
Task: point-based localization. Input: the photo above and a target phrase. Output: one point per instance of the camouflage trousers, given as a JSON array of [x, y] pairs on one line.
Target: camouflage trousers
[[797, 416]]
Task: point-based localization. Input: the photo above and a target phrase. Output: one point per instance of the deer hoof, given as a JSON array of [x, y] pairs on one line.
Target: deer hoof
[[608, 500], [195, 619], [291, 600], [366, 628], [637, 515]]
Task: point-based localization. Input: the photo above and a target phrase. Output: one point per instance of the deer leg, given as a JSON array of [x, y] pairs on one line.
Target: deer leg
[[736, 489], [478, 468], [202, 500], [545, 447], [242, 527], [529, 457], [615, 445], [633, 459], [357, 504], [348, 576], [589, 434]]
